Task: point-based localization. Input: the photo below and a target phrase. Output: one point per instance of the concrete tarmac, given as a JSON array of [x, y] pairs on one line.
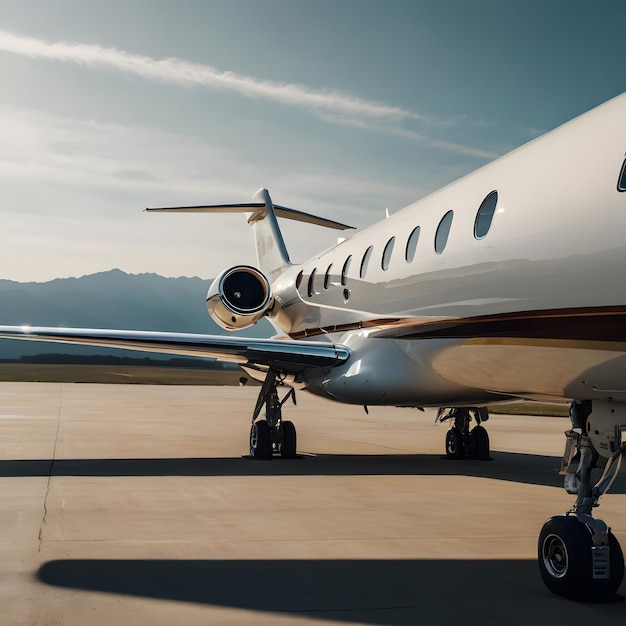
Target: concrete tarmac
[[125, 504]]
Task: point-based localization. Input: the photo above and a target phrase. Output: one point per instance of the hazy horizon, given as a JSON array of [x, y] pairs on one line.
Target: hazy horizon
[[105, 271]]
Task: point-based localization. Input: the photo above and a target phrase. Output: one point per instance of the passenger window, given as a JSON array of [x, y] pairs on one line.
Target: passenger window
[[621, 183], [299, 280], [443, 230], [485, 215], [365, 261], [344, 270], [387, 254], [411, 244], [327, 276], [311, 287]]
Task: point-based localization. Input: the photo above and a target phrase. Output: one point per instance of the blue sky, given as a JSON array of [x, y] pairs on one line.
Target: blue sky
[[339, 107]]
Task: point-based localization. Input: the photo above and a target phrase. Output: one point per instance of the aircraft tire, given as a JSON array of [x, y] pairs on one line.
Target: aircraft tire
[[260, 440], [565, 561], [455, 448], [480, 443], [288, 448]]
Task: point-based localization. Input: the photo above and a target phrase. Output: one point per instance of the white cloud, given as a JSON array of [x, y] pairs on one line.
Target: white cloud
[[407, 133], [533, 132], [183, 73], [331, 105], [38, 148]]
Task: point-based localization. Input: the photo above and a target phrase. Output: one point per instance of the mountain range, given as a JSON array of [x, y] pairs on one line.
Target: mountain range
[[112, 299]]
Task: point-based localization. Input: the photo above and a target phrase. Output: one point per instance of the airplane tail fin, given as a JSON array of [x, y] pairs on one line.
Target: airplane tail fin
[[271, 251], [261, 213]]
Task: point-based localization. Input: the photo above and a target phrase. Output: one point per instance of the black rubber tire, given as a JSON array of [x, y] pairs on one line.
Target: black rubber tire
[[565, 562], [455, 447], [288, 448], [480, 443], [260, 441]]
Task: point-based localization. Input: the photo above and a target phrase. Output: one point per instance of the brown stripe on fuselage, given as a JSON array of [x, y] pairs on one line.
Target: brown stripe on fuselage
[[588, 324]]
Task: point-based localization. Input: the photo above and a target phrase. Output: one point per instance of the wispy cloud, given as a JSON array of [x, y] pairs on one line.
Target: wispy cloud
[[414, 135], [179, 72], [532, 132], [331, 105]]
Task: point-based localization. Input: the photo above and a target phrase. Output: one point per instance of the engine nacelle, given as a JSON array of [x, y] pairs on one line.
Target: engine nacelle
[[239, 297]]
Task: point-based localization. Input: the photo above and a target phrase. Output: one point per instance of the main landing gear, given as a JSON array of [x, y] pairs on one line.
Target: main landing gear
[[579, 558], [461, 442], [272, 435]]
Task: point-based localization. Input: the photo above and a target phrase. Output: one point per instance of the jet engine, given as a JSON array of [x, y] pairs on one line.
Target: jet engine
[[239, 297]]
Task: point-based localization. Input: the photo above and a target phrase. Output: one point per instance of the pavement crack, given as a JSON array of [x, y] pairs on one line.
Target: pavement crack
[[44, 518]]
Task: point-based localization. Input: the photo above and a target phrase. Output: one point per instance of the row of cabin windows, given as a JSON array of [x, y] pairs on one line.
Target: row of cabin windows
[[482, 224]]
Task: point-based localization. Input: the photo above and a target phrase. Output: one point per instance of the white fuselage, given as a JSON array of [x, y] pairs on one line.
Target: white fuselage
[[516, 312]]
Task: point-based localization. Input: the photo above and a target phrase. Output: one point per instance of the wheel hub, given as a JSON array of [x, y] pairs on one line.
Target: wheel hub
[[555, 556]]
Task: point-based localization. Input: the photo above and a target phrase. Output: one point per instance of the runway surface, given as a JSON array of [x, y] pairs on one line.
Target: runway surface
[[126, 504]]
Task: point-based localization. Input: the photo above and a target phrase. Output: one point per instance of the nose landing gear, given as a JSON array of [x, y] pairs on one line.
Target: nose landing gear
[[579, 558]]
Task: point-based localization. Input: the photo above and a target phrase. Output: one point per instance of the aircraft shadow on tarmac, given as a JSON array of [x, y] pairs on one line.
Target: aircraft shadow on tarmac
[[365, 591], [508, 466]]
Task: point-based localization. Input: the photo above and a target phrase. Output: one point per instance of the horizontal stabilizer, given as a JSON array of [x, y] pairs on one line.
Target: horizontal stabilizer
[[257, 211]]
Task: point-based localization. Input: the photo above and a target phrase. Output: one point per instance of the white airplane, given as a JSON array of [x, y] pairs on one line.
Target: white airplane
[[506, 284]]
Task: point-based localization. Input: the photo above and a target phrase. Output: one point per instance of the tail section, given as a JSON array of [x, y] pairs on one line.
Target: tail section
[[272, 255], [261, 213]]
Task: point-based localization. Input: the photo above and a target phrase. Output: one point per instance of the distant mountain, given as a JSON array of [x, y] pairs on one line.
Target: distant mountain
[[110, 299]]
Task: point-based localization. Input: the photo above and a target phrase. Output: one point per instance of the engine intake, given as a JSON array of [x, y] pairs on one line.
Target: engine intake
[[239, 297]]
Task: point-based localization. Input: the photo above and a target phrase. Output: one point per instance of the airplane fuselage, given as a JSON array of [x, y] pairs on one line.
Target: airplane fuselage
[[522, 298]]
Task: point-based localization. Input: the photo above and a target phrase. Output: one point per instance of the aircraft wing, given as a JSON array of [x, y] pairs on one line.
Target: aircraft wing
[[284, 355]]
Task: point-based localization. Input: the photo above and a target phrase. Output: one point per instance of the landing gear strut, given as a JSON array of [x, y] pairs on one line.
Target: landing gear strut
[[461, 442], [272, 435], [579, 558]]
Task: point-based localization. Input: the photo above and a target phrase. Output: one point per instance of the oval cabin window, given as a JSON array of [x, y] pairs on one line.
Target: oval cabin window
[[387, 254], [485, 215], [411, 244], [311, 287], [344, 270], [327, 276], [443, 230], [365, 261], [621, 183]]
